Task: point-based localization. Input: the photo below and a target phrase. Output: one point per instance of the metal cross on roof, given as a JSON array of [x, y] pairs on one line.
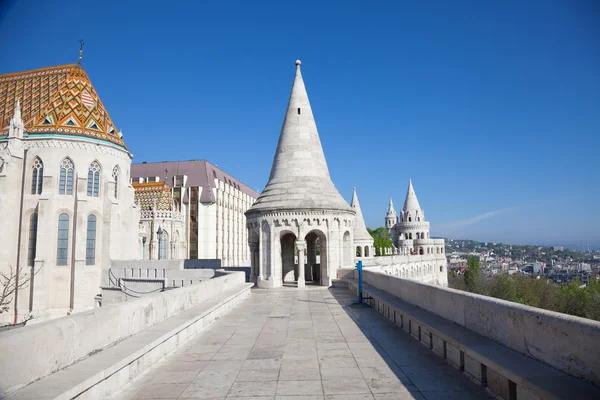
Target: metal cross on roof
[[80, 51]]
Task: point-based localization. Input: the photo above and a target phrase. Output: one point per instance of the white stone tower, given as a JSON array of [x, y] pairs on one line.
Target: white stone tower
[[390, 217], [300, 215], [363, 241], [412, 229]]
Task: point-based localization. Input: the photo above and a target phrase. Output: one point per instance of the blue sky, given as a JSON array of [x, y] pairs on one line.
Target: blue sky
[[492, 108]]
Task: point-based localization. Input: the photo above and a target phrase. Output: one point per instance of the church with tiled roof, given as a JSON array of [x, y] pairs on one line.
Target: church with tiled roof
[[66, 201]]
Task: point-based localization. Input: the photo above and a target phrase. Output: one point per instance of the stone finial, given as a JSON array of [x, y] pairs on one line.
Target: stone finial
[[17, 126], [298, 63]]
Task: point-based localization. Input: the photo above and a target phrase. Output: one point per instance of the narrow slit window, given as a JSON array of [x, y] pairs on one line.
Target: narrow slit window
[[298, 111]]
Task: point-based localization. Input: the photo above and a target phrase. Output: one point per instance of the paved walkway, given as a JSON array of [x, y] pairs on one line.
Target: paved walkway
[[302, 345]]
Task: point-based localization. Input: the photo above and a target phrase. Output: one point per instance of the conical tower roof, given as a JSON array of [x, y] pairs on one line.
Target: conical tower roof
[[299, 177], [411, 203], [391, 212], [360, 230]]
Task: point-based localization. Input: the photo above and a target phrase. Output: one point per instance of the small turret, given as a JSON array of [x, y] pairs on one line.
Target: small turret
[[390, 217]]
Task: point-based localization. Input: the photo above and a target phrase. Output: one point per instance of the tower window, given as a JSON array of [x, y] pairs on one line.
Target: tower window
[[298, 111]]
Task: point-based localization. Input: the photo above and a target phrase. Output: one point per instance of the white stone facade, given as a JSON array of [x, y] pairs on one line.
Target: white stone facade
[[106, 220]]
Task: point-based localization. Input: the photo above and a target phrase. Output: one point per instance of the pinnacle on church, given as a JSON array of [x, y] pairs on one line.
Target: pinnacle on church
[[411, 202], [360, 229], [391, 210], [299, 177]]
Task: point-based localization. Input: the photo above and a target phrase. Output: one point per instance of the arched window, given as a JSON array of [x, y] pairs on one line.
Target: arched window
[[63, 240], [162, 244], [115, 176], [33, 221], [409, 219], [37, 176], [93, 185], [90, 243], [441, 268], [66, 177], [421, 251]]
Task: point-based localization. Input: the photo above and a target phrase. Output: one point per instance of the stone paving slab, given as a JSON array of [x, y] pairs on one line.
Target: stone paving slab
[[302, 345]]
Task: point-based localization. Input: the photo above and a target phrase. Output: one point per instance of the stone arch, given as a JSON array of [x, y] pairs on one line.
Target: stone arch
[[289, 269], [367, 251], [420, 250], [347, 249], [316, 245]]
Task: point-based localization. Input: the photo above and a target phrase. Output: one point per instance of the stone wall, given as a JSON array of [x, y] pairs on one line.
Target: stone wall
[[428, 268], [568, 343], [35, 351]]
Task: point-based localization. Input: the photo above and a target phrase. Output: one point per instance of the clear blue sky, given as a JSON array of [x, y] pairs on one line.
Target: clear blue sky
[[491, 107]]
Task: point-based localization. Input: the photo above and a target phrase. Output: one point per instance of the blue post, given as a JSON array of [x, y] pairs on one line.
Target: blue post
[[360, 283]]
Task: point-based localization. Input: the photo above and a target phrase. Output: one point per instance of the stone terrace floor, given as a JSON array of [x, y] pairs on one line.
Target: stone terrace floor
[[302, 345]]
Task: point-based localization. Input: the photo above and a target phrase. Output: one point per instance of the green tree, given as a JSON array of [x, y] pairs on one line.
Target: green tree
[[504, 288], [573, 300], [473, 275], [380, 239]]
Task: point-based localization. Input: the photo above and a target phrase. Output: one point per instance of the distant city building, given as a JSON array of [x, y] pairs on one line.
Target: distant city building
[[211, 203], [558, 248]]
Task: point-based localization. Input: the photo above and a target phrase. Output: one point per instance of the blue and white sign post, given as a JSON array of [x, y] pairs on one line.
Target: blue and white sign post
[[360, 281]]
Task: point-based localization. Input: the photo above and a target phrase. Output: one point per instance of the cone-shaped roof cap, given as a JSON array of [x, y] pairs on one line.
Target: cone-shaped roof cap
[[391, 211], [360, 230], [411, 202], [299, 177]]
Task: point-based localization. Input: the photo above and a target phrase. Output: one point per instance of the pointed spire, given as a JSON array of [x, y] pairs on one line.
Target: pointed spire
[[391, 211], [411, 202], [299, 176], [17, 126], [360, 229]]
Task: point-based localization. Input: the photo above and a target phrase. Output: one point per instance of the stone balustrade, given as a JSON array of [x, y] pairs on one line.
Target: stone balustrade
[[161, 214], [567, 343]]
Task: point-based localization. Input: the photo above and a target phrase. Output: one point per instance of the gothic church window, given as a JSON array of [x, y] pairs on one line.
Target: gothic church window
[[37, 176], [115, 176], [90, 244], [65, 185], [62, 246], [33, 222], [162, 245], [93, 184]]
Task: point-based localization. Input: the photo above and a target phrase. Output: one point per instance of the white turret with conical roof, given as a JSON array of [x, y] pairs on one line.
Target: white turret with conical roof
[[362, 238], [300, 208], [299, 177], [412, 209], [390, 217]]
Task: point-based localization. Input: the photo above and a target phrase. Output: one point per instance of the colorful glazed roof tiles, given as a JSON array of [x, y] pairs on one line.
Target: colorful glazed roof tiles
[[147, 194], [57, 99]]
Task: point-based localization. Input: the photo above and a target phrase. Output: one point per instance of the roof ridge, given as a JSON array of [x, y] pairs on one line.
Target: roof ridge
[[37, 70]]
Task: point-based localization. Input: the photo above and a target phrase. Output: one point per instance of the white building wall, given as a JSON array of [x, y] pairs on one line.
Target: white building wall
[[60, 289]]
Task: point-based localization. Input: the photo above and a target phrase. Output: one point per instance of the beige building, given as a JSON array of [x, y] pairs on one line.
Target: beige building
[[65, 199], [212, 204]]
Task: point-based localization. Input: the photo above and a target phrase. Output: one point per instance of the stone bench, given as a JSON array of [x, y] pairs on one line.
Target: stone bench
[[505, 372], [104, 372]]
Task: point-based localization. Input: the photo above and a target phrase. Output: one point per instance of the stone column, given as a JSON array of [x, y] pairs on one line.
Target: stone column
[[301, 245], [253, 260]]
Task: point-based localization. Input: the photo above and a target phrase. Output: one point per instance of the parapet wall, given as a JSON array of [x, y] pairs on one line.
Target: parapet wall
[[429, 268], [570, 344], [35, 351]]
